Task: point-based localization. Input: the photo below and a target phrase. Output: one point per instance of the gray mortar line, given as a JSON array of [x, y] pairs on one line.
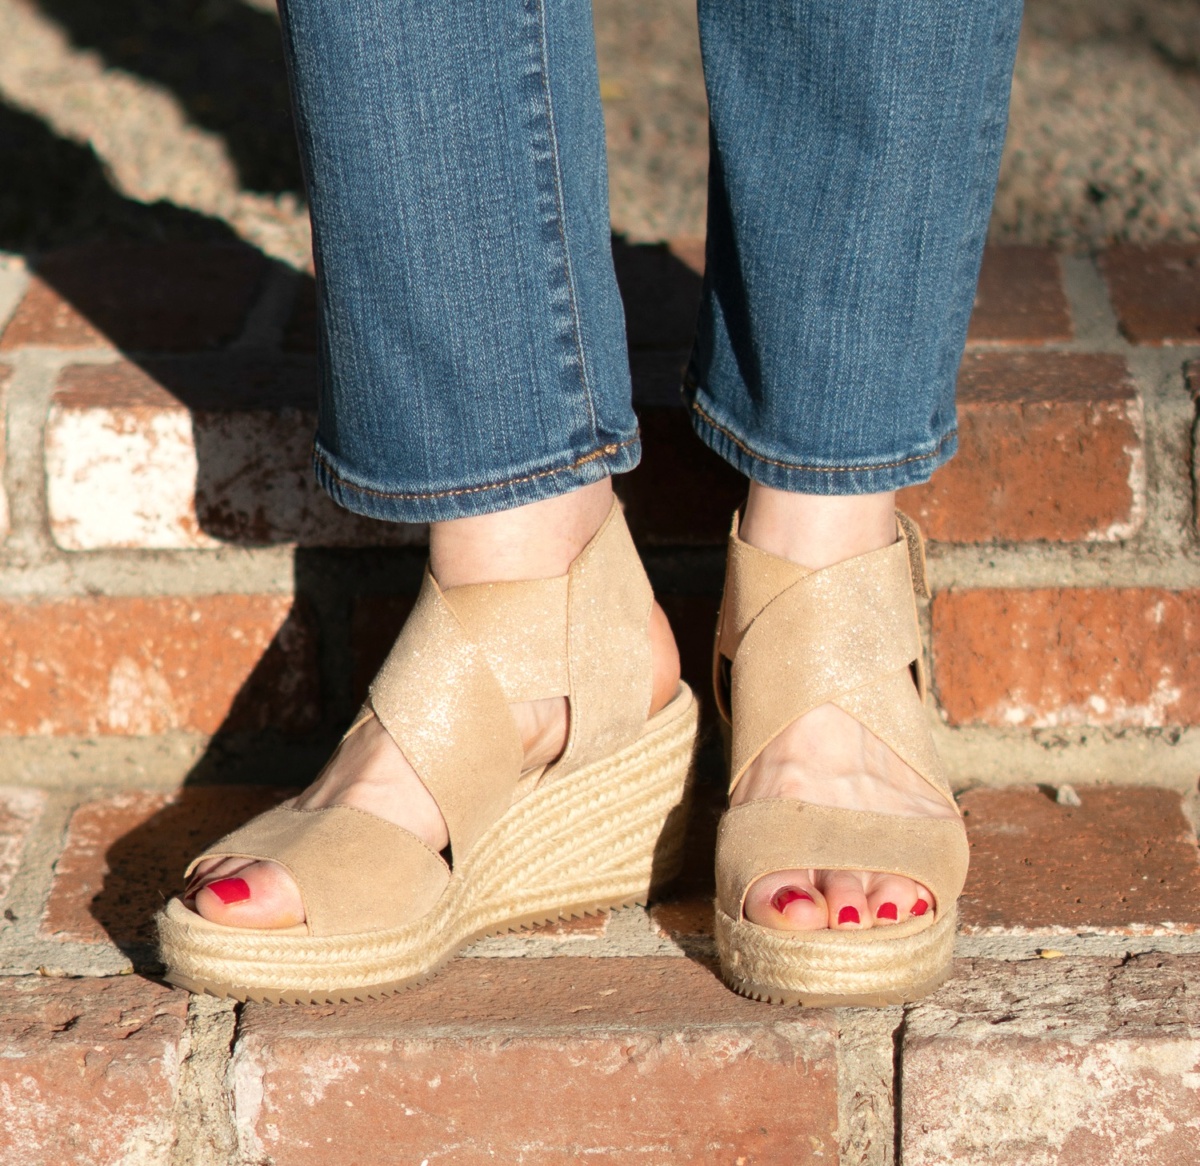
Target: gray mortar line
[[205, 1133], [23, 949], [29, 391], [65, 574], [54, 958], [159, 763], [1078, 755], [866, 1085], [1026, 947], [1092, 316], [1061, 565], [135, 572], [14, 279], [1170, 418]]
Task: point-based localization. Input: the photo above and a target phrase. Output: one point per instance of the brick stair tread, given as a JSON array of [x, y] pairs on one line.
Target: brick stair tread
[[544, 1060], [619, 1053], [1123, 862]]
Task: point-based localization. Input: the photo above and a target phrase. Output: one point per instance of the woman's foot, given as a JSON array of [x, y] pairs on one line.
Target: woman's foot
[[826, 757], [368, 770]]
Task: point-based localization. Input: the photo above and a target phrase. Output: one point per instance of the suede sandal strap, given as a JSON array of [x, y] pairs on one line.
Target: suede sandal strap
[[781, 834], [356, 872], [828, 633], [437, 698], [608, 648], [521, 630], [443, 692]]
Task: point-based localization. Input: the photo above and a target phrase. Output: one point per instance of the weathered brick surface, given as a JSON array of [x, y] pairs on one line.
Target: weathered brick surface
[[1055, 1063], [543, 1061], [374, 625], [1045, 657], [1020, 298], [1155, 292], [1028, 419], [89, 1071], [681, 492], [124, 856], [19, 810], [5, 377], [108, 665], [186, 453], [1124, 861], [181, 297]]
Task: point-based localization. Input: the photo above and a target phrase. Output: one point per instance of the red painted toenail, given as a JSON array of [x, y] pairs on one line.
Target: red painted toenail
[[848, 915], [886, 911], [230, 890], [919, 907], [787, 896]]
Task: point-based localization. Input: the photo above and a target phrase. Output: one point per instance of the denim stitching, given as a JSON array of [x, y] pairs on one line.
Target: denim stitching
[[603, 451], [556, 168], [919, 457]]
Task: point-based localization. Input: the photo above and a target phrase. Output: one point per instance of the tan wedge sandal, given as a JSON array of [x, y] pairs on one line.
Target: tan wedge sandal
[[590, 832], [790, 639]]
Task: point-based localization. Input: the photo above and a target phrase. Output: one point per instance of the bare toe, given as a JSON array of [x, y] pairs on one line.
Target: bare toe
[[845, 898], [787, 900], [258, 894], [890, 898]]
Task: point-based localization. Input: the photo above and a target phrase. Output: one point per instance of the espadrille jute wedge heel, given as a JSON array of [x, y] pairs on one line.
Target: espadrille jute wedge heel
[[788, 640], [593, 830]]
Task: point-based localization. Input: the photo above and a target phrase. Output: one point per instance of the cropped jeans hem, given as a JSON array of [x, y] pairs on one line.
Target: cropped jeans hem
[[879, 478], [523, 486]]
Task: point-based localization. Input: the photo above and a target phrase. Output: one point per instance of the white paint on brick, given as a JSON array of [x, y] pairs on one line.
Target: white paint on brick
[[35, 1121], [139, 700], [1121, 530], [1079, 1096], [19, 809], [1096, 710], [320, 1074], [244, 1081], [157, 477], [122, 478]]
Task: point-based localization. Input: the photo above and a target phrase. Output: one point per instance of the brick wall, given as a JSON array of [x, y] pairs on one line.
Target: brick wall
[[186, 624], [170, 568]]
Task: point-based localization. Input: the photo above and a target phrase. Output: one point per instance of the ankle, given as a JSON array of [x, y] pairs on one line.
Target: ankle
[[536, 541], [814, 530]]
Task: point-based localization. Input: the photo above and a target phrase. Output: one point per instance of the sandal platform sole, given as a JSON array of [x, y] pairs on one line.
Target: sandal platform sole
[[595, 840], [827, 969]]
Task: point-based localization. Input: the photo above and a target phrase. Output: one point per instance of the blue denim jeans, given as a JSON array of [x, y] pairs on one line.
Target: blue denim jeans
[[472, 337]]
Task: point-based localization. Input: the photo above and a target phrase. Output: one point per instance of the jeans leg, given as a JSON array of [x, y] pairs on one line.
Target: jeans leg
[[855, 147], [472, 341]]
